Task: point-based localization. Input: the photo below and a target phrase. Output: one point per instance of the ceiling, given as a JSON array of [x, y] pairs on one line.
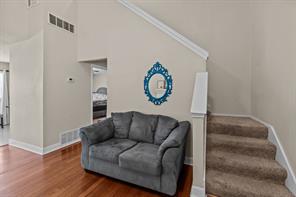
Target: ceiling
[[13, 25]]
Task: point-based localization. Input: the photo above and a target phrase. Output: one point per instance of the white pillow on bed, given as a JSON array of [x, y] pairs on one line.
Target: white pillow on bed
[[99, 97]]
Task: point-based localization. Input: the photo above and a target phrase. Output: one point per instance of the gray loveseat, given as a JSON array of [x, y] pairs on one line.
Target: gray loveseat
[[146, 150]]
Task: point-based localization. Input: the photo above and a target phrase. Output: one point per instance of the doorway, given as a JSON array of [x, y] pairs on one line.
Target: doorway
[[4, 106], [99, 91]]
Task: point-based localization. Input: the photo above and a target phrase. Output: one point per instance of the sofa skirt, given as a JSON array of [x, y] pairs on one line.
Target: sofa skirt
[[113, 170]]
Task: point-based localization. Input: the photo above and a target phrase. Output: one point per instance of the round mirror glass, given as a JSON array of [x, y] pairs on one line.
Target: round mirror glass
[[157, 85]]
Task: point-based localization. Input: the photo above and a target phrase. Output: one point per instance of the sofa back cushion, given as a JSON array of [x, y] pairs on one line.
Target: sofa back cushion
[[122, 123], [143, 127], [164, 127]]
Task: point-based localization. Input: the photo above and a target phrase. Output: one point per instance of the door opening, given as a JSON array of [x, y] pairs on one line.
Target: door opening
[[99, 91], [4, 106]]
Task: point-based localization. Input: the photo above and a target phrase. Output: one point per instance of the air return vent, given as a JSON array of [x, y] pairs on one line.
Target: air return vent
[[57, 21], [69, 137]]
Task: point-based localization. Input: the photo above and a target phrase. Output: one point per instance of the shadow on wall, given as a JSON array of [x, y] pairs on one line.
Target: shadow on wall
[[229, 87]]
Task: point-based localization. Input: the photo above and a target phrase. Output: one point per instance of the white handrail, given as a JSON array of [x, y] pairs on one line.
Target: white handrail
[[166, 29]]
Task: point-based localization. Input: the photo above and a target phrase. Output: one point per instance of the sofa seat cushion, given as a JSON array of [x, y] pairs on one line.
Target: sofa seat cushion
[[143, 127], [142, 158], [110, 150]]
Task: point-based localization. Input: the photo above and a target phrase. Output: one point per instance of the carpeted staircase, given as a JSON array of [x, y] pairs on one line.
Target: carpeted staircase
[[241, 161]]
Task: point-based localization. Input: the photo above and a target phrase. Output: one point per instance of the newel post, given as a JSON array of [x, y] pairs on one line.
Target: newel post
[[199, 118]]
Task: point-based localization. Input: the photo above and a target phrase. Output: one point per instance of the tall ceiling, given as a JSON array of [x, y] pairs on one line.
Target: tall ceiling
[[13, 25]]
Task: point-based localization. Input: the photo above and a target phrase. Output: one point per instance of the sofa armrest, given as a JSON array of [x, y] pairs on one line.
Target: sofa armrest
[[172, 164], [97, 132], [176, 137]]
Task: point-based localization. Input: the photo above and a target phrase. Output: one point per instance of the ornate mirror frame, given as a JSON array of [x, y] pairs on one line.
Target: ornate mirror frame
[[157, 68]]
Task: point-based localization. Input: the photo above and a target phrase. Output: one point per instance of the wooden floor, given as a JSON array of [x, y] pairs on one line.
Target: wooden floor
[[59, 173]]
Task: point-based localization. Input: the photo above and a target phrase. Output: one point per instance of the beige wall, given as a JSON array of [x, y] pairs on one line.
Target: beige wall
[[26, 91], [223, 28], [100, 80], [132, 46], [248, 44], [251, 65], [66, 104], [17, 23], [4, 65], [252, 60], [274, 70]]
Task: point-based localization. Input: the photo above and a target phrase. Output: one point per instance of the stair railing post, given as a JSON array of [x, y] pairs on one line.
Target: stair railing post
[[199, 122]]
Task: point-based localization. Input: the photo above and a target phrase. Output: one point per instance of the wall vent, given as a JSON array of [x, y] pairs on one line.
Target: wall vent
[[32, 3], [68, 137], [57, 21]]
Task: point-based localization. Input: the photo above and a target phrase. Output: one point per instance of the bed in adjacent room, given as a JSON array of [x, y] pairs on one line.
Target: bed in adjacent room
[[100, 103]]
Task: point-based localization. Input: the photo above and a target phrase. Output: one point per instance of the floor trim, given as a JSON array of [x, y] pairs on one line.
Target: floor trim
[[188, 161], [231, 115], [197, 192], [58, 146], [28, 147], [37, 149]]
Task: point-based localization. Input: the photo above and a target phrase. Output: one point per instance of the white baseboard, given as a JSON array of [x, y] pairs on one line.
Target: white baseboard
[[26, 146], [188, 160], [37, 149], [51, 148], [232, 115], [281, 156], [58, 146], [197, 191]]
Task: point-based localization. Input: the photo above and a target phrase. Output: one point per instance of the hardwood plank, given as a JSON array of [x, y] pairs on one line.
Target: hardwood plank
[[59, 173]]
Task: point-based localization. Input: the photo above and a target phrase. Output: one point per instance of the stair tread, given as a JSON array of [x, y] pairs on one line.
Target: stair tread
[[242, 145], [225, 184], [237, 126], [240, 141], [256, 167], [235, 121]]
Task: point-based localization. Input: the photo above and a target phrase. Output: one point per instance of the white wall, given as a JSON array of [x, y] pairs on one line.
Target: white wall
[[4, 66], [26, 91], [222, 28], [66, 105], [251, 65], [17, 23], [274, 70], [100, 80], [132, 46]]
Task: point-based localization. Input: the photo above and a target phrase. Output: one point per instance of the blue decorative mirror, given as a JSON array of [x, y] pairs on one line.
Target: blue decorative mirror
[[158, 84]]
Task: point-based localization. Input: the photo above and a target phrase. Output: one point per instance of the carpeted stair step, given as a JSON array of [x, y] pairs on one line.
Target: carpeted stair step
[[237, 126], [255, 167], [241, 145], [229, 185]]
